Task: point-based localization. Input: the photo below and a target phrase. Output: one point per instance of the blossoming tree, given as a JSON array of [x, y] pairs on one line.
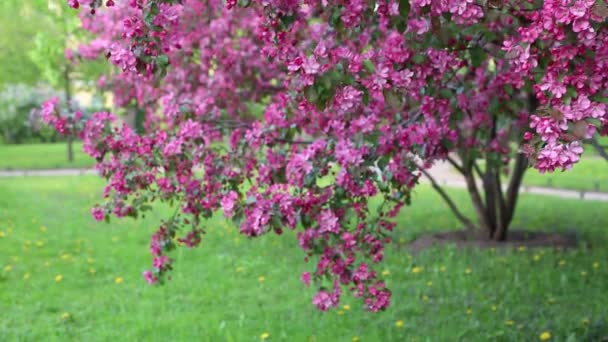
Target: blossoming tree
[[359, 98]]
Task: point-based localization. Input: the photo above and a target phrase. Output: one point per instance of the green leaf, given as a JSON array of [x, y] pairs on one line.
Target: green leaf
[[478, 55], [287, 20], [418, 58], [404, 8], [369, 66], [162, 60], [365, 97], [311, 94], [392, 98], [334, 19]]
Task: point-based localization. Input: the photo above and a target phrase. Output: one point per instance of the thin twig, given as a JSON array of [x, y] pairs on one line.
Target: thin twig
[[467, 223]]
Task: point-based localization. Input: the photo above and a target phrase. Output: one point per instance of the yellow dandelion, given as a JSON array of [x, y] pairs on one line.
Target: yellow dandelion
[[118, 280], [58, 278], [43, 229], [544, 336], [429, 283], [585, 321], [340, 312], [26, 276], [416, 269], [2, 234], [425, 298], [355, 339], [399, 324], [468, 271], [261, 279], [39, 243], [494, 308], [65, 316], [346, 307], [264, 336], [509, 322], [596, 265], [92, 271], [536, 257], [66, 256], [583, 273], [562, 262], [469, 311], [8, 268], [386, 273], [522, 248]]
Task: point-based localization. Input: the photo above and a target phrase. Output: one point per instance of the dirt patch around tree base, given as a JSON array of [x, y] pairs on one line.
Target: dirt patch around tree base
[[515, 239]]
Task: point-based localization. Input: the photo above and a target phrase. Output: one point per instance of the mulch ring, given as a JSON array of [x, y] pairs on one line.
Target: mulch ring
[[515, 239]]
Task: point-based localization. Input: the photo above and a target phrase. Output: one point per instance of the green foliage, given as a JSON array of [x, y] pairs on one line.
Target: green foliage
[[19, 121], [18, 24], [246, 287], [35, 35]]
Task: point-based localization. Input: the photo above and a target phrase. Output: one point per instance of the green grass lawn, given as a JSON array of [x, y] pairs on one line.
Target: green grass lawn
[[59, 271], [42, 156], [589, 174]]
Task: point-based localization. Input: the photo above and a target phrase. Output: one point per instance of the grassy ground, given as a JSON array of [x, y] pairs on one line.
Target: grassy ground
[[42, 156], [65, 277], [588, 174]]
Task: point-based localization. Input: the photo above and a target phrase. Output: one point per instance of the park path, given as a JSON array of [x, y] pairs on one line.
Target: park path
[[442, 172], [445, 175]]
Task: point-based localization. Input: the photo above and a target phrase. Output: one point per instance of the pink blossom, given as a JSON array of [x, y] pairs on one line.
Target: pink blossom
[[161, 261], [150, 277], [305, 278], [98, 213], [328, 222], [228, 203]]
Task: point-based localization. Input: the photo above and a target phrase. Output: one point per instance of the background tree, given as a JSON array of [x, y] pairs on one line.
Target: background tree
[[49, 35], [18, 23], [19, 122]]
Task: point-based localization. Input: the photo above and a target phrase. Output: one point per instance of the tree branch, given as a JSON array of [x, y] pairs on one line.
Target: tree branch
[[467, 223], [454, 164], [521, 164], [599, 148], [475, 196]]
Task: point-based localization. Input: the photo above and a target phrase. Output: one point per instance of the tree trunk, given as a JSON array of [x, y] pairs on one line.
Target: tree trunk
[[68, 100], [495, 209], [70, 149]]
